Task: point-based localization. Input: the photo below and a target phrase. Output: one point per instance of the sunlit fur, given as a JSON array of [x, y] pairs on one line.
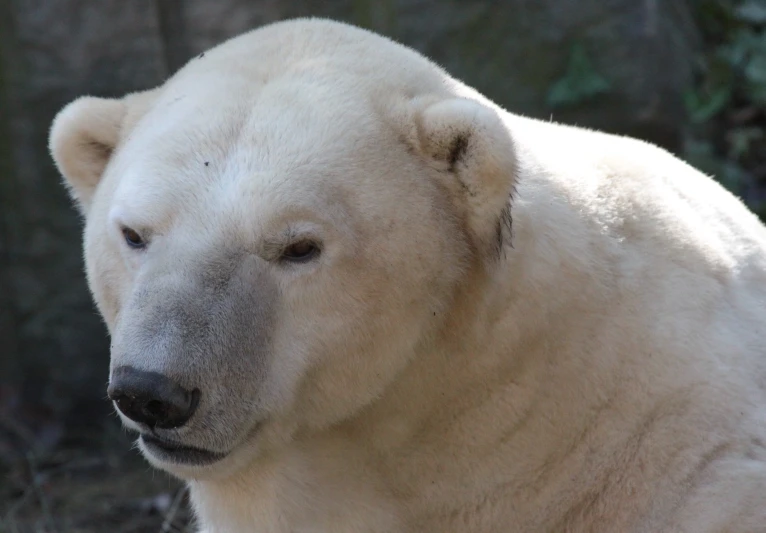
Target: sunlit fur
[[598, 365]]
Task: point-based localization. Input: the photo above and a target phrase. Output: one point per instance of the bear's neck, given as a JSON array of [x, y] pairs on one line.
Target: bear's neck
[[496, 346]]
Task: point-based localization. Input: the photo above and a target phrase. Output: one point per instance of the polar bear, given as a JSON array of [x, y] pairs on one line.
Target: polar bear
[[348, 293]]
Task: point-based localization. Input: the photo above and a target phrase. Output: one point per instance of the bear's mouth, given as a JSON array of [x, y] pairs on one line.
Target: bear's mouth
[[174, 452]]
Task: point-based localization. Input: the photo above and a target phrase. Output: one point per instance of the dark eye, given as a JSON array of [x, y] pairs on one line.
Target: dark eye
[[300, 252], [132, 238]]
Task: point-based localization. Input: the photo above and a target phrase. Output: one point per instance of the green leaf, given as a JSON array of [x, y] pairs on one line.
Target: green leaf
[[580, 82], [702, 109]]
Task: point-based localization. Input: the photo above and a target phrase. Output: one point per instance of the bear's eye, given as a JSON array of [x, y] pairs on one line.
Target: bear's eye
[[132, 238], [300, 252]]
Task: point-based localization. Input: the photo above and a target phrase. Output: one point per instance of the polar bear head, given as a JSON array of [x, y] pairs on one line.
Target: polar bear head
[[274, 233]]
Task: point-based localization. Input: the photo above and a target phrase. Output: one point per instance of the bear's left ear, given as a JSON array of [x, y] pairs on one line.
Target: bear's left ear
[[469, 144]]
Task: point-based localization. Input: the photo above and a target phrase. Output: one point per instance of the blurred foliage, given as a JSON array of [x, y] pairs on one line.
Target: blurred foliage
[[727, 107], [581, 82]]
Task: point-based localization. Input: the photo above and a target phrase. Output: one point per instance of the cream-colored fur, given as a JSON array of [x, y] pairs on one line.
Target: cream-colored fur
[[601, 367]]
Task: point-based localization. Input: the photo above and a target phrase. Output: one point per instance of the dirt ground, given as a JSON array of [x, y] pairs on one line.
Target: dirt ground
[[92, 481]]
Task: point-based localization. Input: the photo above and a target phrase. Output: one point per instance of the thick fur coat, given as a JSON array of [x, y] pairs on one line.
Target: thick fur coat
[[404, 309]]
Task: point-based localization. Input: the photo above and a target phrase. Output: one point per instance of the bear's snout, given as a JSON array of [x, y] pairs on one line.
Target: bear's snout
[[151, 398]]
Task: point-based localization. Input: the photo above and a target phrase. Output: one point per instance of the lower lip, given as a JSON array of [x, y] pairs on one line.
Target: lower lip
[[175, 453]]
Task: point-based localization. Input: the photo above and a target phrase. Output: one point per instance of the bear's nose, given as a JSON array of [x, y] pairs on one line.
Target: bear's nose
[[151, 398]]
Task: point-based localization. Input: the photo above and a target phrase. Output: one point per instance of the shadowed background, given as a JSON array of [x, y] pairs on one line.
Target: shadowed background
[[687, 75]]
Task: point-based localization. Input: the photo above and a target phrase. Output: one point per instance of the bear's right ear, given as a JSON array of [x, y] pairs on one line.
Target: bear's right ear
[[82, 138]]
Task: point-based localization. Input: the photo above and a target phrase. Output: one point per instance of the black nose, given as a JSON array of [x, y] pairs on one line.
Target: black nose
[[151, 398]]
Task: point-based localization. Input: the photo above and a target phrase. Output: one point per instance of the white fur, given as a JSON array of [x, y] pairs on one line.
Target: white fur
[[605, 372]]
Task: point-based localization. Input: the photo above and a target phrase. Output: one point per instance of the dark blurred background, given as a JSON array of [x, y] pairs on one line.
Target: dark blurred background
[[689, 75]]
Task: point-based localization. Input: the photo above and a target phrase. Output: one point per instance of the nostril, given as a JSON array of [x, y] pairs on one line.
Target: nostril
[[155, 408]]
